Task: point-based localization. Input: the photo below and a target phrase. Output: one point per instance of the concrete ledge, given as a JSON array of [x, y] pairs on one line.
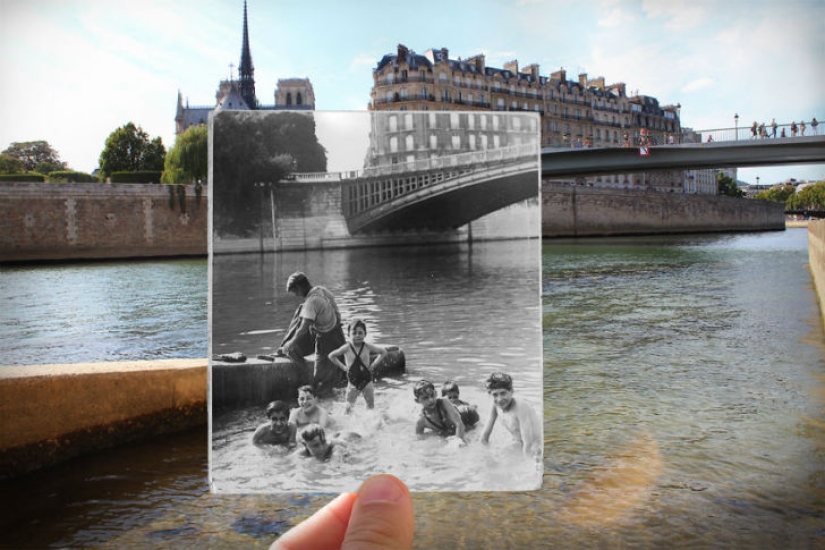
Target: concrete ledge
[[816, 259], [49, 413]]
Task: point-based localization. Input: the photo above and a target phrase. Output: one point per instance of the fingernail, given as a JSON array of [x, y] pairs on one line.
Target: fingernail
[[380, 488]]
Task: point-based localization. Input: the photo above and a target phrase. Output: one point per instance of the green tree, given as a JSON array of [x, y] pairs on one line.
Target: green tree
[[33, 153], [188, 159], [727, 186], [10, 164], [251, 150], [811, 197], [129, 149], [776, 194]]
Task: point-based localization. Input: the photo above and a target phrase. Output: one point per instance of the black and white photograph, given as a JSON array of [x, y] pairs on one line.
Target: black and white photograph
[[375, 300]]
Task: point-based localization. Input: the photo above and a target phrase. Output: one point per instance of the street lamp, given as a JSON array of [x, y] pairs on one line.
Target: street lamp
[[757, 183], [736, 124]]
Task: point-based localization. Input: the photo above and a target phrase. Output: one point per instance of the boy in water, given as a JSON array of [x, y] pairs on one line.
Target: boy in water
[[308, 412], [518, 418], [277, 430], [316, 445], [356, 353], [468, 413], [437, 413]]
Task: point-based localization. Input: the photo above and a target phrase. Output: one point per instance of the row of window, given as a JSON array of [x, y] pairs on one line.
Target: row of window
[[456, 121]]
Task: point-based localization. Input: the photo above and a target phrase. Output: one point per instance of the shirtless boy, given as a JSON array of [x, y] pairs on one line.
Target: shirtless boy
[[469, 413], [518, 418], [277, 430], [316, 445], [438, 415], [308, 412]]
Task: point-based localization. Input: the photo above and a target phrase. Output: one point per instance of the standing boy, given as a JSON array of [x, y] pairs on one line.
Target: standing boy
[[518, 418]]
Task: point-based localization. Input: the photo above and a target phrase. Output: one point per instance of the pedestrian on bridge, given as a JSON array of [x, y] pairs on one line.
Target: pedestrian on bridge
[[773, 128], [814, 124], [801, 127]]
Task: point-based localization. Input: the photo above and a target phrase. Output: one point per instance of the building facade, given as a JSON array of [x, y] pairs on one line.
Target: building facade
[[573, 113], [239, 95]]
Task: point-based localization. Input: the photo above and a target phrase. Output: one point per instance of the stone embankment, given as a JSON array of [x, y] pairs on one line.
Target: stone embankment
[[50, 413], [816, 259]]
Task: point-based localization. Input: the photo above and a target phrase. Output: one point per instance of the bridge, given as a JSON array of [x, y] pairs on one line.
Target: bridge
[[568, 162], [448, 192], [439, 193]]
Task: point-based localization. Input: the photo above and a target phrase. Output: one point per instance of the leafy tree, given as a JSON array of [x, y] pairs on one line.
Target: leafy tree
[[251, 150], [33, 153], [10, 164], [188, 159], [727, 186], [776, 193], [811, 197], [129, 149]]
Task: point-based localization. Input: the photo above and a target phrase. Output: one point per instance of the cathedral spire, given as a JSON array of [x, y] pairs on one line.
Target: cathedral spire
[[246, 72]]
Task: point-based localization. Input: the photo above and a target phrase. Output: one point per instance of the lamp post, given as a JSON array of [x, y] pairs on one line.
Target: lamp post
[[736, 125], [757, 184]]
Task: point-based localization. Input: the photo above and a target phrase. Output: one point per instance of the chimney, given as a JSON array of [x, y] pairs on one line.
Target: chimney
[[402, 53], [511, 66], [583, 80], [561, 74], [478, 60]]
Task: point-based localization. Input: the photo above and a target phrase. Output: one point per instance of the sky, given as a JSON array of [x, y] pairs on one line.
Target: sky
[[73, 71]]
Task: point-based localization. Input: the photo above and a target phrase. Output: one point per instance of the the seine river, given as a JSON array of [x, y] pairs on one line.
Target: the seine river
[[683, 391]]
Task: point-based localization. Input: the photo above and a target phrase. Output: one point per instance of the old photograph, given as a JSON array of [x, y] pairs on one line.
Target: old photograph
[[375, 300]]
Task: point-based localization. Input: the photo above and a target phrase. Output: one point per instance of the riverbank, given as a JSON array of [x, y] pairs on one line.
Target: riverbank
[[816, 258], [51, 413]]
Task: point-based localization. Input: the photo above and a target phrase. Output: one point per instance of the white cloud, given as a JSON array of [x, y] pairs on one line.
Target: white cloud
[[698, 84]]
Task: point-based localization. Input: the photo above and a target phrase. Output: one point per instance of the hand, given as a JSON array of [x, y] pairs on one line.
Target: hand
[[378, 517]]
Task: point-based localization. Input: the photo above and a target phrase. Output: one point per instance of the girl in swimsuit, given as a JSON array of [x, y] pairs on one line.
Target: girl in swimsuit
[[356, 353]]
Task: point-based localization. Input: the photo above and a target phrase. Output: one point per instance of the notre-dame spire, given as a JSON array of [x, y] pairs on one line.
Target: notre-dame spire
[[246, 72]]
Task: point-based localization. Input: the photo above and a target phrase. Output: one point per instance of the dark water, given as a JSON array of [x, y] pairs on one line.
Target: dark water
[[684, 400]]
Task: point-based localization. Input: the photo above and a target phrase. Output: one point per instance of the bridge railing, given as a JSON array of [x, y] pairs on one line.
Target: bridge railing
[[760, 130], [453, 161]]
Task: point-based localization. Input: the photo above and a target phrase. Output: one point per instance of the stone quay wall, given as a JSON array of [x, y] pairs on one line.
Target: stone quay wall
[[54, 222], [91, 221], [50, 413], [816, 259], [579, 211]]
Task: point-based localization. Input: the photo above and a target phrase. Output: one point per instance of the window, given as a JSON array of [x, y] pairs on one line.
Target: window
[[409, 144], [393, 144], [454, 121], [298, 99], [288, 98], [393, 122], [456, 142]]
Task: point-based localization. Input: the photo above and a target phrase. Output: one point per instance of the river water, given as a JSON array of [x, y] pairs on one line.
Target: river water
[[684, 407]]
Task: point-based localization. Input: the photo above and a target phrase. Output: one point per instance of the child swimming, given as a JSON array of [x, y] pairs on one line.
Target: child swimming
[[518, 418], [277, 430], [308, 412], [438, 415], [468, 413]]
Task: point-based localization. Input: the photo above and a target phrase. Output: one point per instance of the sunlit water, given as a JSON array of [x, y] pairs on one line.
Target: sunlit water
[[458, 313], [103, 311], [684, 401]]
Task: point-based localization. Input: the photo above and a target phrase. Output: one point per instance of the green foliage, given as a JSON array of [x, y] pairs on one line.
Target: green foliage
[[811, 197], [10, 164], [188, 160], [252, 151], [28, 176], [70, 176], [142, 176], [34, 153], [776, 194], [129, 149], [727, 186]]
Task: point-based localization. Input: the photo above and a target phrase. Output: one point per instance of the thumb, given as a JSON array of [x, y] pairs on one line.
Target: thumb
[[382, 516]]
